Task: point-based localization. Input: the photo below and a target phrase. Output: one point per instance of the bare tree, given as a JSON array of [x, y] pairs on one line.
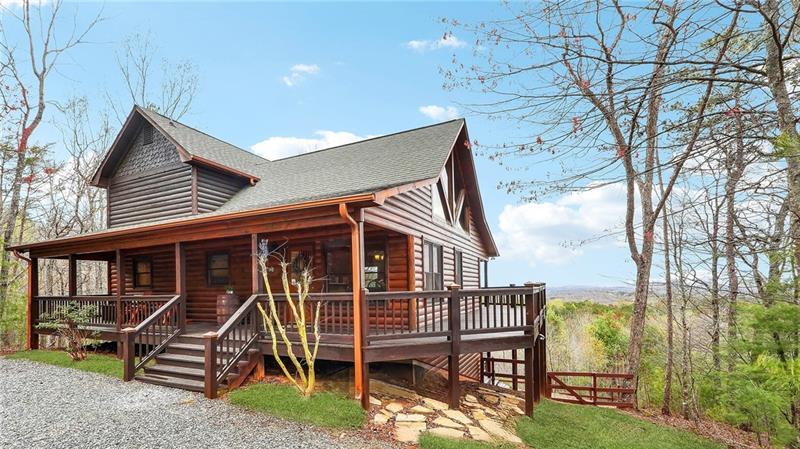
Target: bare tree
[[171, 92], [596, 97], [25, 69]]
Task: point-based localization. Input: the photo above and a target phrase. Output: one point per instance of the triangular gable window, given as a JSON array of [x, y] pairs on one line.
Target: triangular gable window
[[449, 196]]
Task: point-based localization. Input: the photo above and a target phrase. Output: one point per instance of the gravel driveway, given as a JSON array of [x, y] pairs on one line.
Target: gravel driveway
[[43, 406]]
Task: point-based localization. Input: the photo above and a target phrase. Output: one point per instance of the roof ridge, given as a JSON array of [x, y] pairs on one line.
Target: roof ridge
[[369, 139], [203, 132]]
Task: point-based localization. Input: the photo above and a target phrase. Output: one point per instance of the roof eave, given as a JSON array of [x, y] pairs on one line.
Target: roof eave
[[365, 199]]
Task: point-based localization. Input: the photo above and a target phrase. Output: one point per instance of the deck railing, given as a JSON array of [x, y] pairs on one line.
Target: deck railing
[[396, 315], [152, 335], [226, 347], [387, 316], [113, 313]]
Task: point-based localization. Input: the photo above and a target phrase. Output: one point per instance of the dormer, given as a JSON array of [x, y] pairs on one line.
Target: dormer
[[158, 169]]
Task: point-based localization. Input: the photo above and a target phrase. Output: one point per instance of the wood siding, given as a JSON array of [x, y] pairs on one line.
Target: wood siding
[[412, 212], [202, 297], [214, 189], [149, 184]]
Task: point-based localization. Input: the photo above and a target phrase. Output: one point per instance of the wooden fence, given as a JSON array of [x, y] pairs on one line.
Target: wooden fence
[[602, 389]]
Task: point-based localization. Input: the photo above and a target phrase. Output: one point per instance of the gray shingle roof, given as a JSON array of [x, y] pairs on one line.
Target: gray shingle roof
[[361, 167], [198, 143]]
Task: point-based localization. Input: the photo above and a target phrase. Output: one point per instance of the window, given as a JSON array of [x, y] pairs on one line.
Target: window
[[147, 134], [375, 267], [142, 272], [338, 268], [463, 219], [432, 266], [218, 269], [299, 261], [459, 268]]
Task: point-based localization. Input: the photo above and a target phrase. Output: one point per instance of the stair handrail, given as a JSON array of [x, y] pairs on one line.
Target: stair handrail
[[235, 337], [130, 334]]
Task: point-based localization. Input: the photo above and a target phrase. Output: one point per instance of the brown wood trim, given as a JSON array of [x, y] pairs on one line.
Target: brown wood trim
[[257, 285], [72, 275], [33, 306], [194, 190], [252, 179], [96, 178], [199, 219], [381, 196]]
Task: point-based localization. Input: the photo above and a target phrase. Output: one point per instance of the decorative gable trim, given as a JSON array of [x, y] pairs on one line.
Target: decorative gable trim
[[116, 152]]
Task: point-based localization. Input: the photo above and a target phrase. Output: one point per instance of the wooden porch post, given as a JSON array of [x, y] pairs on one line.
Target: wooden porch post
[[542, 295], [210, 346], [180, 281], [33, 305], [356, 265], [72, 276], [532, 379], [453, 360], [122, 341], [255, 273]]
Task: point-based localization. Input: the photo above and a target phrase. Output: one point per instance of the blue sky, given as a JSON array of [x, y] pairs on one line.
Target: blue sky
[[316, 73]]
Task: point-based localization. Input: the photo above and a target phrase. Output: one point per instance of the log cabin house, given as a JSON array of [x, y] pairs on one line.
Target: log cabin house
[[393, 225]]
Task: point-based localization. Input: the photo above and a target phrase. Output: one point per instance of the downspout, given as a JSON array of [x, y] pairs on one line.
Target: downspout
[[355, 258], [20, 256]]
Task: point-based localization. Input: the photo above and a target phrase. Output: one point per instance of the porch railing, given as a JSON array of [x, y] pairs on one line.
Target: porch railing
[[226, 347], [387, 316], [398, 315], [143, 342], [113, 313]]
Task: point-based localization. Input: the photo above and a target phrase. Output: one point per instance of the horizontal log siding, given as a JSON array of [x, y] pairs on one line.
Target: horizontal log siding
[[215, 189], [163, 271], [202, 297], [159, 194], [412, 212]]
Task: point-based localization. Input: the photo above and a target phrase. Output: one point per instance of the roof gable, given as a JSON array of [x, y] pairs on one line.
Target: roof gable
[[193, 147]]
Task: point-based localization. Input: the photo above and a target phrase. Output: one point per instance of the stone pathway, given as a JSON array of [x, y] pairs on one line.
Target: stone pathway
[[486, 414]]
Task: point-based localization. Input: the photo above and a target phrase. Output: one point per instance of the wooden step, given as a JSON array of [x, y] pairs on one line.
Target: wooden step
[[193, 349], [176, 371], [173, 382], [189, 340], [188, 361]]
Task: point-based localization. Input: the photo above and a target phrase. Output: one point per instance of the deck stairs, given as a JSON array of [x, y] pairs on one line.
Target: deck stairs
[[182, 365]]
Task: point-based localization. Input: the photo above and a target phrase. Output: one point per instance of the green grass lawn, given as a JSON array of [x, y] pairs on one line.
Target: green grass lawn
[[429, 441], [323, 409], [96, 363], [566, 426]]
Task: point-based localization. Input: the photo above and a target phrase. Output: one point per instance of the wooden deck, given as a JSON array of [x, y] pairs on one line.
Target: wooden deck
[[397, 326]]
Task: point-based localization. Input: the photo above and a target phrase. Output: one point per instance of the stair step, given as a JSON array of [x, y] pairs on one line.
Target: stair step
[[192, 349], [180, 359], [174, 382], [176, 371]]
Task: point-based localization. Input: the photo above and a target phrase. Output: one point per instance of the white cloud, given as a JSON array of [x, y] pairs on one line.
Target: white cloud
[[552, 231], [439, 113], [446, 41], [279, 147], [298, 73]]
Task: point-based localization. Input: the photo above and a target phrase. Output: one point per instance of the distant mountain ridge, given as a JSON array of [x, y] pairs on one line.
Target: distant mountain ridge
[[601, 295]]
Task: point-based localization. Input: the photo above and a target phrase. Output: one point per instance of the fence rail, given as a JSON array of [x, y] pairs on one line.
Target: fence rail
[[587, 388]]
